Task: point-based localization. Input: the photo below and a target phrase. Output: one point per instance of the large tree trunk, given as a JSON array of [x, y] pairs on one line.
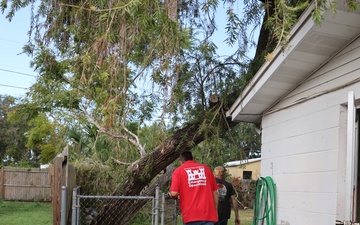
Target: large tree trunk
[[123, 211], [266, 42]]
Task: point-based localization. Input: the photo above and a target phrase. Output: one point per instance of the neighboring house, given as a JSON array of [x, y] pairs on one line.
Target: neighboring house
[[306, 100], [244, 169]]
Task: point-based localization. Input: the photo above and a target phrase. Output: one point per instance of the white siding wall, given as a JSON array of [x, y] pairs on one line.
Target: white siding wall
[[304, 145]]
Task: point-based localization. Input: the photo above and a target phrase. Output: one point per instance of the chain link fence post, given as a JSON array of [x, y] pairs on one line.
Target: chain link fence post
[[162, 209], [63, 205], [157, 205], [75, 207], [175, 212]]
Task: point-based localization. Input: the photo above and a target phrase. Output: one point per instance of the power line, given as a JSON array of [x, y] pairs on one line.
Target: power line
[[4, 85], [7, 40], [16, 67], [20, 73]]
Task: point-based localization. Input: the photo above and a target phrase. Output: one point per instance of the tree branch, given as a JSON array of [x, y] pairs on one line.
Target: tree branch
[[140, 147], [121, 163], [135, 141]]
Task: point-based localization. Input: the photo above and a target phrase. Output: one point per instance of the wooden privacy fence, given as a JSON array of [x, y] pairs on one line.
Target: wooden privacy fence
[[62, 174], [21, 184]]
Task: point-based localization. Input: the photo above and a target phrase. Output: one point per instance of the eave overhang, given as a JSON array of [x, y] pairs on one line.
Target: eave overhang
[[310, 47]]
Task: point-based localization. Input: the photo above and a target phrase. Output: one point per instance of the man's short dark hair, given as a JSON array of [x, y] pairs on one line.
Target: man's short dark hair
[[185, 156]]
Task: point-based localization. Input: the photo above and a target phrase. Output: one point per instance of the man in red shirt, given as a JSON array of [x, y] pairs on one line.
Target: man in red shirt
[[195, 185]]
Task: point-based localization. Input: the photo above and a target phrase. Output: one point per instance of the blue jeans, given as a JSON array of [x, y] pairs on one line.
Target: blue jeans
[[222, 222], [200, 223]]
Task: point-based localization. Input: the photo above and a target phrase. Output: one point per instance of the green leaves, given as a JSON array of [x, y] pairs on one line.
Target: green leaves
[[13, 129], [353, 5], [232, 27], [112, 64], [322, 5]]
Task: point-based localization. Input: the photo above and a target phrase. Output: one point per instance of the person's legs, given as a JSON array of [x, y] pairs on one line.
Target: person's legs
[[207, 223], [222, 222], [200, 223]]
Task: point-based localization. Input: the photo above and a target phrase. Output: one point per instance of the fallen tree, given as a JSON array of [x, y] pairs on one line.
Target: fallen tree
[[142, 172], [89, 72]]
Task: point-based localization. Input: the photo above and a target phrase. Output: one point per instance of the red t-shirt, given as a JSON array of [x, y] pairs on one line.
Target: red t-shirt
[[195, 183]]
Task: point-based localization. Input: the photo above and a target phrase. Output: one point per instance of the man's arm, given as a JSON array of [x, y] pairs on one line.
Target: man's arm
[[174, 194], [216, 199], [236, 209]]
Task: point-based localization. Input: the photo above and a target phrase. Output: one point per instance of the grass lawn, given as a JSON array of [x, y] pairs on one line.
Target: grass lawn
[[25, 213], [246, 217], [35, 213]]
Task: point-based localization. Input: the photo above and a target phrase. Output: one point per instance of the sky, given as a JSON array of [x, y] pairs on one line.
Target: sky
[[16, 76], [15, 72]]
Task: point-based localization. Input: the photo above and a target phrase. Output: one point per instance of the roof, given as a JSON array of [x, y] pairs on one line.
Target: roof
[[241, 162], [310, 47]]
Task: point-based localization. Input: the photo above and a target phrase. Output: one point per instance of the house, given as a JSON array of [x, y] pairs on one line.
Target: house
[[306, 101], [244, 169]]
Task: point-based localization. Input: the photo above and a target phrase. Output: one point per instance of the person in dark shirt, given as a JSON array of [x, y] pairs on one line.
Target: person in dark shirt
[[227, 198]]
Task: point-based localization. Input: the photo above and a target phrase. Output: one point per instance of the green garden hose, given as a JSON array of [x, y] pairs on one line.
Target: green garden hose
[[265, 202]]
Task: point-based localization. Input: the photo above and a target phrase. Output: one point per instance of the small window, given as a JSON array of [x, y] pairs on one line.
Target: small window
[[247, 175]]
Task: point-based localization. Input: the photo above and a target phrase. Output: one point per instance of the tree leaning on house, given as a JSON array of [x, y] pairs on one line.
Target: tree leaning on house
[[94, 58]]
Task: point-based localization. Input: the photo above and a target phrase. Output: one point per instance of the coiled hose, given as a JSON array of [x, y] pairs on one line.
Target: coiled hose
[[265, 202]]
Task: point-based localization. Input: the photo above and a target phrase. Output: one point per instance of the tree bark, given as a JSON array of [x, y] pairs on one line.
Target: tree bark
[[266, 41], [126, 210]]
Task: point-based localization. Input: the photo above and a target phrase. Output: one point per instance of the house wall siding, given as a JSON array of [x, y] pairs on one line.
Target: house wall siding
[[237, 171], [304, 143]]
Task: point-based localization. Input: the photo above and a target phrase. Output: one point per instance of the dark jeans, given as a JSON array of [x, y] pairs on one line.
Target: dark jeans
[[222, 222], [200, 223]]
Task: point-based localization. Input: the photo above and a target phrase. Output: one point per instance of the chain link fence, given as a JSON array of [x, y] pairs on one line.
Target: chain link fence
[[101, 210]]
